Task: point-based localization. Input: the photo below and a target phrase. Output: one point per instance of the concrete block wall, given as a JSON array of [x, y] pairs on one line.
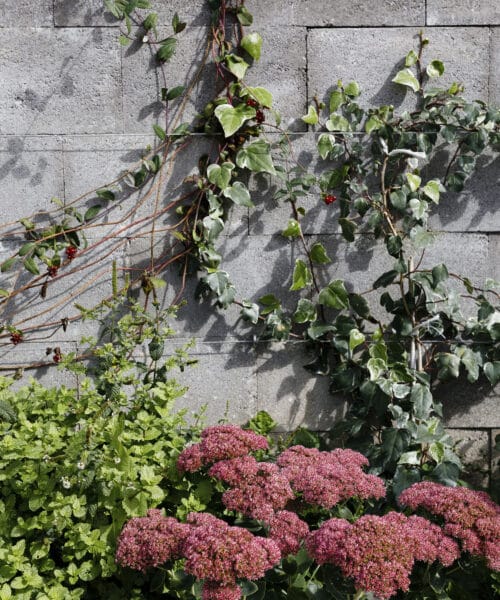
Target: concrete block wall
[[76, 109]]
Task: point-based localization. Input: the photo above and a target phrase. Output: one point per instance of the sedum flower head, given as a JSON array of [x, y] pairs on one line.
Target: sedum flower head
[[221, 553], [220, 442], [288, 531], [468, 515], [326, 478], [258, 489], [214, 590], [150, 541], [378, 553]]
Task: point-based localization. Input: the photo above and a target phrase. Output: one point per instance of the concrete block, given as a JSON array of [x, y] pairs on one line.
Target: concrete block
[[494, 256], [344, 13], [143, 80], [26, 13], [495, 67], [475, 208], [282, 70], [38, 354], [472, 445], [223, 383], [31, 173], [60, 81], [469, 405], [82, 13], [462, 12], [495, 463], [372, 57], [290, 394]]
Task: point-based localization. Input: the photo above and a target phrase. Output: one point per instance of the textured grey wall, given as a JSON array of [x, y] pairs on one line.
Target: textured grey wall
[[76, 109]]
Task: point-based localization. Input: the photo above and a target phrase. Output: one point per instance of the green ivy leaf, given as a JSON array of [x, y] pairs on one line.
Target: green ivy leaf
[[435, 68], [177, 24], [312, 116], [270, 303], [326, 143], [337, 98], [431, 189], [319, 255], [337, 122], [305, 312], [252, 43], [449, 365], [439, 274], [250, 312], [220, 175], [352, 89], [407, 78], [174, 92], [232, 118], [359, 305], [334, 295], [373, 123], [260, 94], [394, 443], [385, 279], [292, 230], [411, 58], [302, 276], [356, 338], [106, 194], [239, 194], [256, 156], [92, 212], [414, 181], [492, 372], [348, 228], [244, 16], [398, 200], [236, 65]]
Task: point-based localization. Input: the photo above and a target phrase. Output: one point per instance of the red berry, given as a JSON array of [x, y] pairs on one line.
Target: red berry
[[251, 102], [57, 356], [16, 337], [259, 116], [71, 252], [330, 198], [52, 271]]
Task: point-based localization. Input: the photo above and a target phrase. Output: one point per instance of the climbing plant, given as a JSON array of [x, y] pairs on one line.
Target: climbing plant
[[385, 347]]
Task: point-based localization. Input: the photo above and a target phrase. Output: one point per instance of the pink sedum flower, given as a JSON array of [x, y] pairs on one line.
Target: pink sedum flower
[[257, 489], [220, 442], [470, 516], [221, 553], [378, 553], [214, 590], [288, 531], [326, 478], [150, 541]]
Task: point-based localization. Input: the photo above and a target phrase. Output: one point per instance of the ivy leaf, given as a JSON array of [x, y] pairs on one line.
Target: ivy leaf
[[106, 194], [220, 175], [244, 16], [305, 312], [352, 89], [250, 312], [449, 365], [435, 68], [337, 98], [167, 49], [302, 276], [407, 78], [398, 199], [355, 339], [337, 122], [439, 274], [232, 118], [239, 194], [411, 58], [177, 24], [348, 228], [319, 255], [174, 92], [236, 65], [92, 212], [394, 443], [256, 156], [334, 295], [431, 189], [326, 143], [421, 398], [414, 181], [270, 303], [373, 123], [385, 279], [359, 305], [492, 372], [312, 116], [292, 230], [252, 43], [260, 94]]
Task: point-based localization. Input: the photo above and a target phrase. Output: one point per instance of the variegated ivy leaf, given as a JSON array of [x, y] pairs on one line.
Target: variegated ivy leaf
[[407, 78]]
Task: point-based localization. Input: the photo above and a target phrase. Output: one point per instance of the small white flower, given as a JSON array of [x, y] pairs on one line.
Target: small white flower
[[65, 483], [145, 39], [117, 460], [80, 465], [46, 458]]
